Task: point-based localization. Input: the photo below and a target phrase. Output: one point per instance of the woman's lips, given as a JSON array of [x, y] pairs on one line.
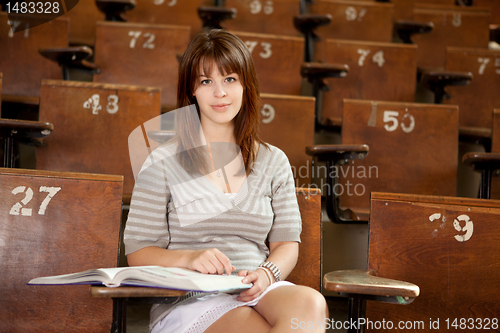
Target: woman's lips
[[220, 107]]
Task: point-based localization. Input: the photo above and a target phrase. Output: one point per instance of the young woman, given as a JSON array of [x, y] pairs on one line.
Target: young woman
[[193, 210]]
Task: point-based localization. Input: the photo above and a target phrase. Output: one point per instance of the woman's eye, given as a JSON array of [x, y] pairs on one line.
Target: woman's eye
[[204, 82], [230, 79]]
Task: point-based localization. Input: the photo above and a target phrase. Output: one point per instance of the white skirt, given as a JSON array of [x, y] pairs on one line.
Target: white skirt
[[197, 315]]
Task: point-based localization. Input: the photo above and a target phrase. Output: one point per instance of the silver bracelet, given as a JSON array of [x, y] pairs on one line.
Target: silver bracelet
[[273, 268], [268, 274]]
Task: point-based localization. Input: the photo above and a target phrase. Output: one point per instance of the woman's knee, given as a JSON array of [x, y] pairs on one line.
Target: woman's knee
[[311, 302]]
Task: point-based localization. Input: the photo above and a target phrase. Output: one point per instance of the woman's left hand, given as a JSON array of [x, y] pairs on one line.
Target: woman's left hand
[[260, 282]]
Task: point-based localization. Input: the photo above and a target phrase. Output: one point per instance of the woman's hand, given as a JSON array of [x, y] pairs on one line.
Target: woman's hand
[[260, 282], [211, 261]]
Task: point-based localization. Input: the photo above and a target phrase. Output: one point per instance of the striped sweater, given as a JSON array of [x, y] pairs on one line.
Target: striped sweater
[[171, 209]]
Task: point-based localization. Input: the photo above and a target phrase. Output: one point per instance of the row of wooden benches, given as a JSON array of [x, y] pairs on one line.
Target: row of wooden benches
[[433, 260], [126, 54]]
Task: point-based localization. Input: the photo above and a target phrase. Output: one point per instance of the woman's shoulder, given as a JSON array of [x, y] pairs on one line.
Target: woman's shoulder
[[272, 153]]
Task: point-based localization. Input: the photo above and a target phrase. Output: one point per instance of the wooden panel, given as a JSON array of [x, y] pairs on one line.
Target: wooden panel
[[413, 149], [421, 240], [88, 139], [287, 122], [141, 54], [176, 12], [274, 54], [453, 26], [307, 272], [403, 8], [82, 22], [495, 148], [379, 71], [493, 6], [78, 230], [477, 100], [263, 16], [356, 20], [22, 66]]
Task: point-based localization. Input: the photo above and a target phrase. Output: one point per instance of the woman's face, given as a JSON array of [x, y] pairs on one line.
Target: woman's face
[[219, 97]]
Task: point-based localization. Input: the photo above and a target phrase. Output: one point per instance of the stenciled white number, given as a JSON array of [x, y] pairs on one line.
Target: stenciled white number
[[267, 51], [352, 14], [148, 44], [18, 206], [112, 106], [377, 58], [268, 113], [18, 209], [483, 62], [391, 120], [468, 228], [256, 7], [52, 191], [93, 103], [161, 2], [457, 20]]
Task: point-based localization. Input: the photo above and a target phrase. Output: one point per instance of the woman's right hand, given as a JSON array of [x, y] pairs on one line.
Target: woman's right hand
[[211, 261]]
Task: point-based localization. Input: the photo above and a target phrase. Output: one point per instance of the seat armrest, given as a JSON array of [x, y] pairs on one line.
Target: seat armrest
[[364, 282], [115, 9], [486, 163], [334, 155], [307, 24], [71, 58], [495, 33], [406, 29], [212, 16], [437, 80], [316, 73], [337, 153]]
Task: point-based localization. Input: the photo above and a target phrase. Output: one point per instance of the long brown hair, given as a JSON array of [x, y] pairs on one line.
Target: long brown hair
[[230, 55]]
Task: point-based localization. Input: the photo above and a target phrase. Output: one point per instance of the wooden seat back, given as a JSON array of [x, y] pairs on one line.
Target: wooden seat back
[[403, 8], [356, 20], [56, 223], [277, 61], [83, 19], [171, 12], [287, 122], [92, 123], [449, 247], [495, 148], [308, 270], [22, 66], [413, 149], [141, 55], [492, 5], [453, 26], [378, 71], [264, 16], [477, 100]]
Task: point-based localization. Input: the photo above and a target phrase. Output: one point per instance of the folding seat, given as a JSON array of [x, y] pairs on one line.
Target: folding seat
[[477, 100], [56, 223], [142, 55], [432, 264], [92, 122], [394, 147]]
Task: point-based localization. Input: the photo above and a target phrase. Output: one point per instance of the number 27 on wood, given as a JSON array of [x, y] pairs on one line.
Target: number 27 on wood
[[18, 209]]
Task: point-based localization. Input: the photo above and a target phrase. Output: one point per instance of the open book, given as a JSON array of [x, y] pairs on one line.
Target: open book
[[150, 276]]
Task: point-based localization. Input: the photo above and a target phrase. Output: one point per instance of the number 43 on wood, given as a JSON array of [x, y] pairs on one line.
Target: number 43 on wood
[[18, 208]]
